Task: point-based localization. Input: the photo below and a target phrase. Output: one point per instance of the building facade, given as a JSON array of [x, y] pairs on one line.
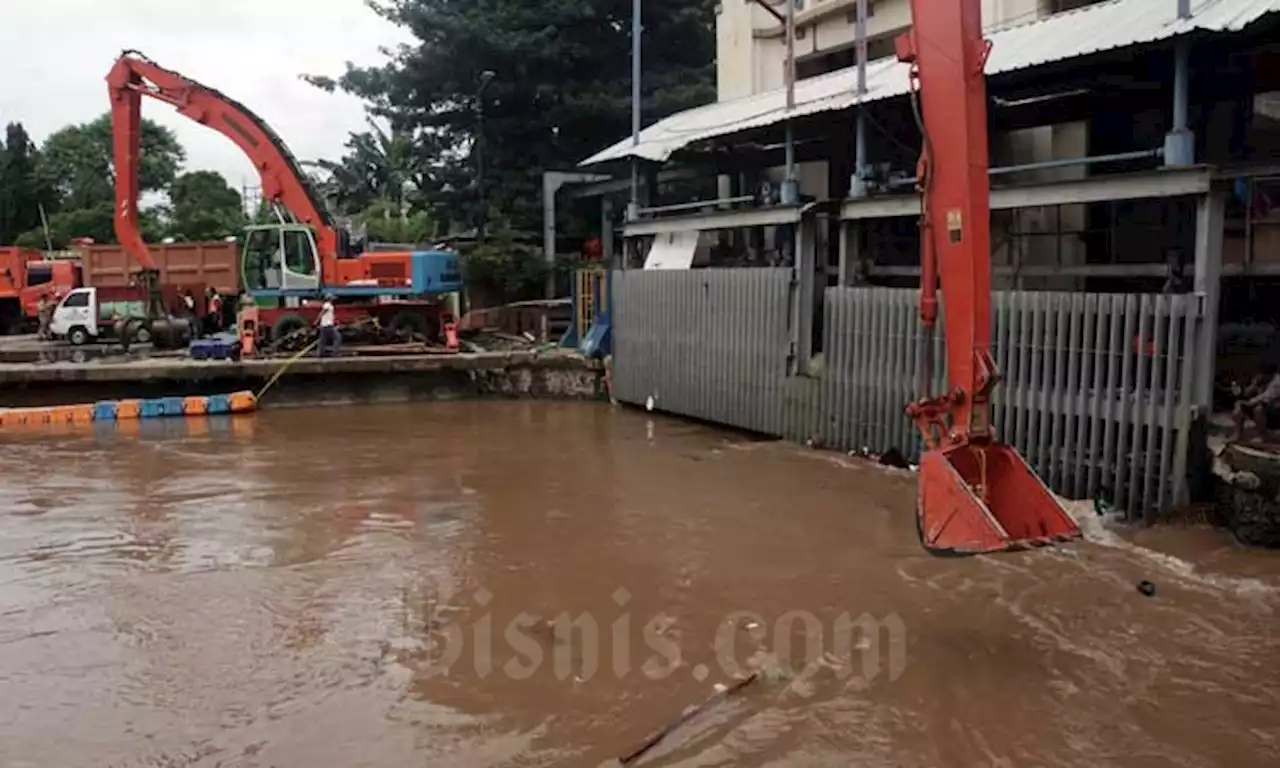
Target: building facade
[[751, 49], [751, 44]]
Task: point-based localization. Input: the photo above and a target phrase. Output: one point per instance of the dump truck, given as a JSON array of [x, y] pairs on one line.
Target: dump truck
[[182, 265], [25, 276]]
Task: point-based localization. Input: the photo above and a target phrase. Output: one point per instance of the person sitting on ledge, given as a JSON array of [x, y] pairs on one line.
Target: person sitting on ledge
[[1261, 406]]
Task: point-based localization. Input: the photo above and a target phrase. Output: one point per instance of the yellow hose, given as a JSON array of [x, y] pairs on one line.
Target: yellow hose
[[285, 367]]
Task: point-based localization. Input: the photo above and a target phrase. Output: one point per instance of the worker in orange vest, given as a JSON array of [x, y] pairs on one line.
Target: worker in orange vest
[[213, 311]]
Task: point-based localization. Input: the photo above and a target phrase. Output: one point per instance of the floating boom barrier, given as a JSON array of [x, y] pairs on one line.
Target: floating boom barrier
[[129, 410]]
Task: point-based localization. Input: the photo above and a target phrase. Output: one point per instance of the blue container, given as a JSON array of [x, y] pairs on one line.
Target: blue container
[[218, 404], [221, 347], [150, 408], [105, 410]]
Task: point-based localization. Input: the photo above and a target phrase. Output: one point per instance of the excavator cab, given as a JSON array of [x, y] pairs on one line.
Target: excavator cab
[[280, 257]]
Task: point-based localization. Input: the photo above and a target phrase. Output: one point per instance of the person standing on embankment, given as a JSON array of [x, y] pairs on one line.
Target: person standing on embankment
[[330, 338]]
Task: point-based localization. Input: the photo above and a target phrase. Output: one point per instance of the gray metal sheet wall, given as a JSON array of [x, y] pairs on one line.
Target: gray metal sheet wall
[[1096, 391], [707, 343]]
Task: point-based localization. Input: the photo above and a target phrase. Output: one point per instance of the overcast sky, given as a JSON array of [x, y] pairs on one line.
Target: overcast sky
[[55, 54]]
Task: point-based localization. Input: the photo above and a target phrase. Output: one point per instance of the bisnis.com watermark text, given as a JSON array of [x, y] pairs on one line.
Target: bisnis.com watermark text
[[799, 645]]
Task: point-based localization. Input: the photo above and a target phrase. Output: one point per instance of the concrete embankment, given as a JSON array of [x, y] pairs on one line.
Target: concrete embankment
[[311, 381]]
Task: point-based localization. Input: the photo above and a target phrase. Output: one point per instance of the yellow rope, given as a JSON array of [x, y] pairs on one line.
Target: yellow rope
[[307, 349], [285, 367]]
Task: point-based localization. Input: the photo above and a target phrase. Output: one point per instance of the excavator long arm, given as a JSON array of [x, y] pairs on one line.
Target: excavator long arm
[[975, 494], [283, 181]]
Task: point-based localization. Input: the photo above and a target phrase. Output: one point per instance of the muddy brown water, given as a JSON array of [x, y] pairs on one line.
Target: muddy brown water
[[380, 586]]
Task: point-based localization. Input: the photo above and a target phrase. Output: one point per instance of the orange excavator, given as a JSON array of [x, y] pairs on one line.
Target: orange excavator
[[289, 266], [975, 494]]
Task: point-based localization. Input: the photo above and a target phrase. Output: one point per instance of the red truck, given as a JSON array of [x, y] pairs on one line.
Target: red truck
[[183, 266], [25, 276]]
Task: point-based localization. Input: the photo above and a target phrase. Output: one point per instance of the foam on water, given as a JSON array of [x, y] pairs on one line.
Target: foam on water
[[1096, 529]]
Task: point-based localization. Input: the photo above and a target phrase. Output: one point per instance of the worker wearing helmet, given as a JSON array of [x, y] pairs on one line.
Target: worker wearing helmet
[[330, 339]]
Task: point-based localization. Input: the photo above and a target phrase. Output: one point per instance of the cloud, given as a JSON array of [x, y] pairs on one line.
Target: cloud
[[55, 54]]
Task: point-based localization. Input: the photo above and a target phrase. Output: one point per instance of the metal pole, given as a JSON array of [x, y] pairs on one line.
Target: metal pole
[[857, 184], [634, 205], [484, 198], [1180, 142], [790, 190], [1180, 95], [486, 77]]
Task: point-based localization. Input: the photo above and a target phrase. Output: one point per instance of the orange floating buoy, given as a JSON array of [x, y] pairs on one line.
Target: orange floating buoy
[[195, 406], [127, 410], [15, 417], [242, 402]]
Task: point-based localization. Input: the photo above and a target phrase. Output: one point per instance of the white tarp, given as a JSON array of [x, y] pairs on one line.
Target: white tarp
[[672, 250]]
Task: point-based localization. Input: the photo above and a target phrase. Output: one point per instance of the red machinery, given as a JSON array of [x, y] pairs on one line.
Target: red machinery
[[289, 263], [975, 494]]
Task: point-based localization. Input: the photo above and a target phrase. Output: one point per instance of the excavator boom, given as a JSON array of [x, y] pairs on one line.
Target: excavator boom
[[975, 494], [283, 181]]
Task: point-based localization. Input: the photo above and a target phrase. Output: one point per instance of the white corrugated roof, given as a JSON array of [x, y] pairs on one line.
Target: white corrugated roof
[[1114, 24]]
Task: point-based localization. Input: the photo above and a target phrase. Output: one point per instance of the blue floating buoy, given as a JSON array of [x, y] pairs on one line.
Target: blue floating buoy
[[151, 408], [170, 406], [218, 404], [104, 410]]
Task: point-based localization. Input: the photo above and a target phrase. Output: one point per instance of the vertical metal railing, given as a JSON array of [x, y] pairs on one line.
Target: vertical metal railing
[[1096, 390]]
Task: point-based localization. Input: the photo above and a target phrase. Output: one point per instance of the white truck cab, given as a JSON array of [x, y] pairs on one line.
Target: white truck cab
[[82, 318]]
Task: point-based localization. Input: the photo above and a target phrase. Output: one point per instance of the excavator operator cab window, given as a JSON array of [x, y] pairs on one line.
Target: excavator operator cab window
[[261, 263], [299, 252], [281, 258]]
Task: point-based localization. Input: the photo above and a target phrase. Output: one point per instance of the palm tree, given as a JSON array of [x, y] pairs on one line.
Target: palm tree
[[379, 166]]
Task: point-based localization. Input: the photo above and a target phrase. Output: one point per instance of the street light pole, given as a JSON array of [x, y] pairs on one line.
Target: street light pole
[[636, 32], [486, 77]]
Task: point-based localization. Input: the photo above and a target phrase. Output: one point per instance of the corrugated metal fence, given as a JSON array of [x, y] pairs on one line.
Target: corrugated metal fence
[[1096, 392]]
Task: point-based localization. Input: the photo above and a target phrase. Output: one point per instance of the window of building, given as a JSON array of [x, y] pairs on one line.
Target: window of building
[[1062, 6], [843, 58], [851, 15]]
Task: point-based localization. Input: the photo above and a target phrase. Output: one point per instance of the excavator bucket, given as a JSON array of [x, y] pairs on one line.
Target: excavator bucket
[[984, 498]]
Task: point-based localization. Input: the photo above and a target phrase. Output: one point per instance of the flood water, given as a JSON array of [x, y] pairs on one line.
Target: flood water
[[380, 586]]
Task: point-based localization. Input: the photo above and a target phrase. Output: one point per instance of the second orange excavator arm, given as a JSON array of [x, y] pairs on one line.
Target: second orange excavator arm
[[975, 494], [283, 181]]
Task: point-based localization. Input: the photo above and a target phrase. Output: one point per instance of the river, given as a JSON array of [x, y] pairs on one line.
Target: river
[[529, 584]]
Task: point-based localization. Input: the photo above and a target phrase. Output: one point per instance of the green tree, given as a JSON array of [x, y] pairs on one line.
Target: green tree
[[75, 165], [508, 266], [77, 162], [21, 190], [560, 89], [94, 222], [379, 165], [204, 207], [387, 222]]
